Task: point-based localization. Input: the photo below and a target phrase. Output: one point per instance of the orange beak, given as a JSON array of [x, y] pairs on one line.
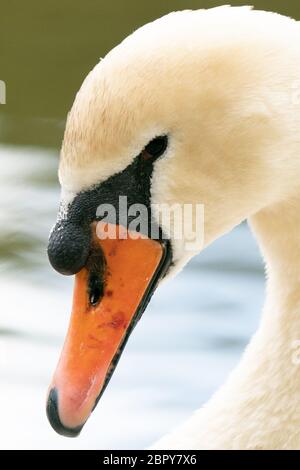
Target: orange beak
[[110, 294]]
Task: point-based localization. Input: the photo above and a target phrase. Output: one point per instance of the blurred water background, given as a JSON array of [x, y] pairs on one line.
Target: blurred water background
[[196, 326]]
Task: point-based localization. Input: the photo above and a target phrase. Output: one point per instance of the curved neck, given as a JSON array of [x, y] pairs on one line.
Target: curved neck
[[259, 405], [277, 230]]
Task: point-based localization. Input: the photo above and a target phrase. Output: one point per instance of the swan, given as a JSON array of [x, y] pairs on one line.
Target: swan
[[197, 107]]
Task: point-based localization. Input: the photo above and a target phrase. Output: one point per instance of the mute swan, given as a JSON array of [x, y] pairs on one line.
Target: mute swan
[[196, 107]]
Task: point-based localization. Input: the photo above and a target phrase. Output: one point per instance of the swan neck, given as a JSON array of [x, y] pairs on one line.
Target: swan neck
[[277, 229]]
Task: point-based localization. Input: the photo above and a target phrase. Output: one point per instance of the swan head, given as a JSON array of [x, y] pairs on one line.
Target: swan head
[[174, 115]]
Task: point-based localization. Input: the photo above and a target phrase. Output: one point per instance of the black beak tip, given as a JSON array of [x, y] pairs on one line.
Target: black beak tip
[[53, 417]]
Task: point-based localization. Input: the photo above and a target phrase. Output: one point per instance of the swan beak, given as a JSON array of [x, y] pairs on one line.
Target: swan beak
[[111, 292]]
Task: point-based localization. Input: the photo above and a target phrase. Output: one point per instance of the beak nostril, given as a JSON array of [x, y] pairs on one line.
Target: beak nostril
[[96, 289], [96, 265]]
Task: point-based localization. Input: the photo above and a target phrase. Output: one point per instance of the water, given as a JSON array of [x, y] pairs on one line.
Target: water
[[190, 337]]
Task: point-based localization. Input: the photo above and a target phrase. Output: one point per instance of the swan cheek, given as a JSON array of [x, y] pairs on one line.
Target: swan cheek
[[111, 292]]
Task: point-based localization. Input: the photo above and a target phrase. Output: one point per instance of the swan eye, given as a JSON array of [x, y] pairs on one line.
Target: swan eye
[[155, 148]]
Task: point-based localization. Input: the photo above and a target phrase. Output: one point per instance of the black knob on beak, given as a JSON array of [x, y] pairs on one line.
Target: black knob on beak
[[68, 247]]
